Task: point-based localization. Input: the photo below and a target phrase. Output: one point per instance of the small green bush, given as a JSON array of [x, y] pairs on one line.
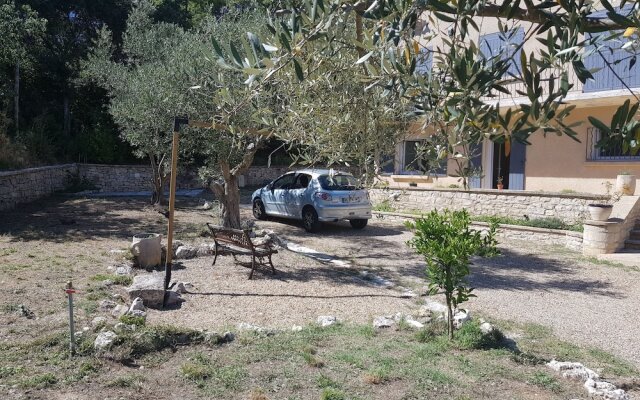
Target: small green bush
[[332, 394], [470, 336], [132, 320], [384, 206]]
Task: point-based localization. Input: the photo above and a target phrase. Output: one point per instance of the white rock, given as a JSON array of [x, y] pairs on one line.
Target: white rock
[[460, 317], [383, 322], [137, 305], [573, 370], [433, 307], [207, 206], [123, 270], [180, 288], [186, 252], [244, 326], [173, 298], [150, 288], [296, 328], [104, 340], [605, 389], [98, 322], [414, 324], [119, 311], [326, 320], [138, 313], [486, 328]]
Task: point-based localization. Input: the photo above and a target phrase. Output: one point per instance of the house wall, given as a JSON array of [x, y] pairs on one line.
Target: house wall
[[555, 164]]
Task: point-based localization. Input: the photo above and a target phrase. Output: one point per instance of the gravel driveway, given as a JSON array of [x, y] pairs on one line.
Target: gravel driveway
[[583, 302]]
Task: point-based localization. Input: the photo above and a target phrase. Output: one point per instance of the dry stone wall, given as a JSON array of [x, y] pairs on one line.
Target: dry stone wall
[[33, 183], [516, 204], [130, 178], [548, 237]]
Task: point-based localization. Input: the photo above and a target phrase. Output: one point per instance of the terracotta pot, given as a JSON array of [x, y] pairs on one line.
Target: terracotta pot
[[146, 247], [600, 212], [626, 184], [500, 186]]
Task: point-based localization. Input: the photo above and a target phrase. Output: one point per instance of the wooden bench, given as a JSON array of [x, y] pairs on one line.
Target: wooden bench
[[238, 243]]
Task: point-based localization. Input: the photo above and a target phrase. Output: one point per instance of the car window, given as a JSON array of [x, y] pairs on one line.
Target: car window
[[302, 181], [285, 182], [338, 182]]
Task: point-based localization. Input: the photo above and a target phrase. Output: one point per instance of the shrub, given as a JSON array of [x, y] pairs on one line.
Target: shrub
[[447, 244]]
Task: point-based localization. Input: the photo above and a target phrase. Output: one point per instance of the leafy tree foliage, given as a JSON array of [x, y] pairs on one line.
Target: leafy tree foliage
[[447, 244]]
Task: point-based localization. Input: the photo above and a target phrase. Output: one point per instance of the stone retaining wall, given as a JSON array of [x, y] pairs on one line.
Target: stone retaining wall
[[130, 178], [604, 237], [33, 183], [516, 204], [549, 237], [260, 176]]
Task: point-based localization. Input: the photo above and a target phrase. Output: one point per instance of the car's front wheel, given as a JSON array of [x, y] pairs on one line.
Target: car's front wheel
[[310, 220], [358, 223], [258, 209]]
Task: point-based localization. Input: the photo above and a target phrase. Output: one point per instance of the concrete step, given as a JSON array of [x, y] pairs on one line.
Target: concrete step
[[632, 244]]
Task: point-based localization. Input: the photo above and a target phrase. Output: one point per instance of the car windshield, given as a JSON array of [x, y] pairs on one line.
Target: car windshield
[[338, 182]]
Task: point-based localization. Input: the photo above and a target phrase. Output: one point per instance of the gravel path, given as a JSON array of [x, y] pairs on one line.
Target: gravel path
[[583, 302]]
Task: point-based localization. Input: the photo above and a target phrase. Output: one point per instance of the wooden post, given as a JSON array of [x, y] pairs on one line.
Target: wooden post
[[172, 199]]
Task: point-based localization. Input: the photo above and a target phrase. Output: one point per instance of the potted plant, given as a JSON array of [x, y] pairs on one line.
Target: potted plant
[[626, 183], [602, 211], [499, 184]]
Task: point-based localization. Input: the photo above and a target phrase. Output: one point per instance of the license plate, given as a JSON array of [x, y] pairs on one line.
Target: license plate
[[351, 199]]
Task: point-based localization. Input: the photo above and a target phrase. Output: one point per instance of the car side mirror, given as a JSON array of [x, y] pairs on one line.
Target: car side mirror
[[270, 186]]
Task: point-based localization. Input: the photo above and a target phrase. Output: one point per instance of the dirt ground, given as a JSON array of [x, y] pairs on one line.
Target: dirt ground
[[45, 244]]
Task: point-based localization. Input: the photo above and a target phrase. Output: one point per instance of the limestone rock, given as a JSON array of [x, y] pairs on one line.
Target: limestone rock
[[98, 322], [180, 288], [186, 252], [124, 270], [106, 305], [119, 311], [414, 323], [148, 287], [460, 317], [432, 307], [383, 322], [138, 313], [137, 305], [207, 206], [605, 389], [486, 328], [573, 370], [296, 328], [173, 298], [24, 311], [104, 340], [326, 320]]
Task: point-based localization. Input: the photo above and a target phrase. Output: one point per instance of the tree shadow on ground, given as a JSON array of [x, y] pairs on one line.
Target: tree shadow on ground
[[63, 219], [516, 271]]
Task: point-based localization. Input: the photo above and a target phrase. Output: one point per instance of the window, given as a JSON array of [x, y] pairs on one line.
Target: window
[[302, 181], [338, 182], [498, 43], [285, 182], [612, 151], [414, 163]]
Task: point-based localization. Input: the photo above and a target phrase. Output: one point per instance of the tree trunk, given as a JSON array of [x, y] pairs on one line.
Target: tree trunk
[[159, 178], [228, 194], [16, 99], [66, 127], [449, 317]]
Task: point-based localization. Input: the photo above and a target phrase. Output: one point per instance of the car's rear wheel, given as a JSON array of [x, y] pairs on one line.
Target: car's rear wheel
[[310, 220], [258, 209], [358, 223]]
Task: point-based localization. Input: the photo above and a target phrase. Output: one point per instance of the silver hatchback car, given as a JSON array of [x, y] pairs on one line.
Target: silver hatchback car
[[314, 196]]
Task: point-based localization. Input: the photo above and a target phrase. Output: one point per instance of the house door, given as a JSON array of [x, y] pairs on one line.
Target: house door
[[509, 165], [516, 166], [475, 180]]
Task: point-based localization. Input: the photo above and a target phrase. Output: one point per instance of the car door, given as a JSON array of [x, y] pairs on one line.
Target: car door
[[296, 195], [274, 199]]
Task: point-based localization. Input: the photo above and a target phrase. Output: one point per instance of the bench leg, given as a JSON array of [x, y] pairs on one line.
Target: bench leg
[[253, 266], [273, 269], [215, 257]]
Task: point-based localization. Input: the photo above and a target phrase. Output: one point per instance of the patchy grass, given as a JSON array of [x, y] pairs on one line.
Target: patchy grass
[[132, 320], [123, 280], [7, 251], [126, 381], [597, 261], [384, 206], [546, 381]]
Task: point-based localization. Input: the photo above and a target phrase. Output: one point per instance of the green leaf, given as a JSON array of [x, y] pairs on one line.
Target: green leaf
[[600, 125], [364, 57], [298, 69], [235, 54]]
